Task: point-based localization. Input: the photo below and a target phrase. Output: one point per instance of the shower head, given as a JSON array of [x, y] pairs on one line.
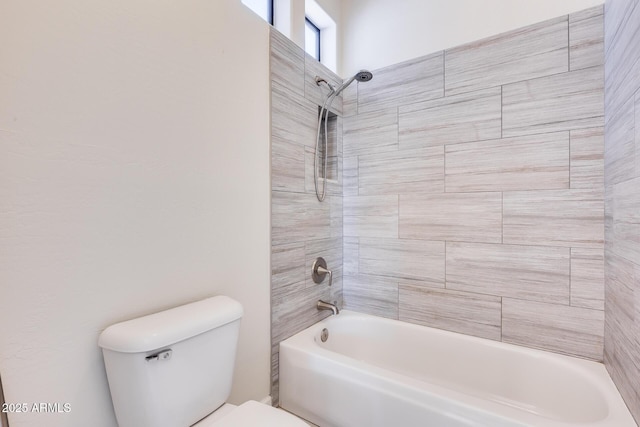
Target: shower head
[[361, 76]]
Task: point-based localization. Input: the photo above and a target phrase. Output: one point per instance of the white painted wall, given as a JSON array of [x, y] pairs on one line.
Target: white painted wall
[[134, 176], [377, 33]]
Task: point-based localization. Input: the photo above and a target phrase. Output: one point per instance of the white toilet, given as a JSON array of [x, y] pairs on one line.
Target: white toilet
[[175, 369]]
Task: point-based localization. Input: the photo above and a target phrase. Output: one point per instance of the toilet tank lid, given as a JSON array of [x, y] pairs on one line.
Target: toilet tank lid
[[168, 327]]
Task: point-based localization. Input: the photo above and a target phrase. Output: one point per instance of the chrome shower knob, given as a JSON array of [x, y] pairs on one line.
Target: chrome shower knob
[[319, 271]]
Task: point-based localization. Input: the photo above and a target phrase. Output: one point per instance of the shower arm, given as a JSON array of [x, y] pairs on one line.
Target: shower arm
[[329, 85]]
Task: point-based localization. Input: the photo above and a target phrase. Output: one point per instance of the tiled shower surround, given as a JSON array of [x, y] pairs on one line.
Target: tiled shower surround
[[473, 188], [622, 198], [302, 228], [467, 194]]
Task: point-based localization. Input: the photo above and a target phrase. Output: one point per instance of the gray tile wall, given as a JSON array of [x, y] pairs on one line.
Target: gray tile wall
[[622, 200], [473, 188], [302, 228]]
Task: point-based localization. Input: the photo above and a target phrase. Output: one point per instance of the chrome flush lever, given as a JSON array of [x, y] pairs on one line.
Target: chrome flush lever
[[162, 355], [319, 271]]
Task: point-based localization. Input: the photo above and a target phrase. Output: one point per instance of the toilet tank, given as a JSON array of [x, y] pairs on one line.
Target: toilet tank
[[172, 368]]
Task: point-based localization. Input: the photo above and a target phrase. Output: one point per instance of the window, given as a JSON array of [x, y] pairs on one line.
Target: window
[[320, 34], [311, 38], [263, 8]]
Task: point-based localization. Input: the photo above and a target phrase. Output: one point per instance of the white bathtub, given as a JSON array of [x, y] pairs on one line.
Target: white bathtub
[[375, 372]]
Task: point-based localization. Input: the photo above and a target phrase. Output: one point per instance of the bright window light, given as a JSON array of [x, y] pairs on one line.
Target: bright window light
[[312, 39], [326, 41], [264, 8]]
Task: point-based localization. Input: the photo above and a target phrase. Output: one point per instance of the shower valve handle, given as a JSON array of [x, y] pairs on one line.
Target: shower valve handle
[[319, 271]]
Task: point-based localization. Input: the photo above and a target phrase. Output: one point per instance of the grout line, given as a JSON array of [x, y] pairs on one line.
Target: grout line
[[502, 217]]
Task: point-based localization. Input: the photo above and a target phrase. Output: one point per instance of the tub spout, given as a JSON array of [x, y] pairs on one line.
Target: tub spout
[[322, 305]]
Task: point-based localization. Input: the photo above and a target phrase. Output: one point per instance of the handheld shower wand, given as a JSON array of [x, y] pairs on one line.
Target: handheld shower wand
[[361, 76]]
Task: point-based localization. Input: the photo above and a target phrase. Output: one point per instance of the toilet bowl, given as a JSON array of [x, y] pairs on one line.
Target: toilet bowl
[[175, 369]]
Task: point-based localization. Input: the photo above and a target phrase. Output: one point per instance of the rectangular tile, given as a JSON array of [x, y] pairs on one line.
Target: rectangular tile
[[286, 63], [370, 133], [471, 314], [293, 118], [469, 117], [621, 293], [616, 13], [351, 254], [574, 331], [617, 96], [287, 166], [371, 226], [619, 145], [535, 162], [564, 101], [297, 217], [280, 294], [350, 100], [587, 159], [623, 233], [620, 361], [637, 127], [410, 81], [371, 216], [571, 218], [608, 216], [371, 205], [339, 138], [350, 176], [405, 171], [287, 264], [587, 278], [336, 216], [621, 301], [294, 309], [622, 54], [498, 60], [403, 259], [372, 295], [336, 294], [526, 272], [586, 38], [583, 14], [470, 217]]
